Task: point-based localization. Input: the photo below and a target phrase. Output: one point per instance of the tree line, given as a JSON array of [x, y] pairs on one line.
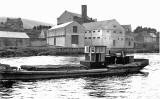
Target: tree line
[[140, 29], [40, 27]]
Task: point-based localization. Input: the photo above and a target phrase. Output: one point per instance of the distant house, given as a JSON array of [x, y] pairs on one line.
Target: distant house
[[13, 39], [12, 24], [35, 38], [106, 33], [70, 34], [145, 40], [67, 16]]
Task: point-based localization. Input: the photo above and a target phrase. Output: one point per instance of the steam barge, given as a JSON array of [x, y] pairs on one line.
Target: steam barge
[[97, 62]]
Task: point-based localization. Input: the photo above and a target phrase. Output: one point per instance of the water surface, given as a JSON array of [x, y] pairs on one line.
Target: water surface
[[143, 85]]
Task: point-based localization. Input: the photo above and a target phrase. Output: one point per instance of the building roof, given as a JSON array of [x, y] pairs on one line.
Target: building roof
[[127, 28], [74, 14], [97, 25], [7, 34], [61, 25]]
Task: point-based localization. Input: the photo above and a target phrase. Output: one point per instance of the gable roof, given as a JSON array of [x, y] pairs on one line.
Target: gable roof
[[127, 27], [7, 34], [74, 14], [61, 25], [97, 25]]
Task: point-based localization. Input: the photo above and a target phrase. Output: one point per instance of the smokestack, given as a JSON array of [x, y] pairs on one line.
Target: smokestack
[[84, 13]]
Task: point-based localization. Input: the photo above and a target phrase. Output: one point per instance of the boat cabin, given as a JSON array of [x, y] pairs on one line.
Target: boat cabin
[[96, 57], [95, 53]]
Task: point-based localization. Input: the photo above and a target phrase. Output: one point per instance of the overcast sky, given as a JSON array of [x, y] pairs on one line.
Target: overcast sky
[[144, 13]]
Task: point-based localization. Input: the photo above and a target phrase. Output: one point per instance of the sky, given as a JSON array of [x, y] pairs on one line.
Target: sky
[[144, 13]]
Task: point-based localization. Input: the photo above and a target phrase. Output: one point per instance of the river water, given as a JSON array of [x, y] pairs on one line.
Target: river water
[[145, 85]]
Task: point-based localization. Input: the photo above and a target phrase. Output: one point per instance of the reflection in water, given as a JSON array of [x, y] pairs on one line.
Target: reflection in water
[[6, 84], [6, 89], [110, 87], [144, 85], [96, 87]]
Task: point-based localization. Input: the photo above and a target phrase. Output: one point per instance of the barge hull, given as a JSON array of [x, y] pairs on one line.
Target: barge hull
[[33, 75], [30, 75]]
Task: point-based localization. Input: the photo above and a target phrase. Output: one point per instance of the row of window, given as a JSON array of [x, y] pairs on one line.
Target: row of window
[[99, 38], [117, 32], [109, 38], [92, 37], [130, 39], [92, 31]]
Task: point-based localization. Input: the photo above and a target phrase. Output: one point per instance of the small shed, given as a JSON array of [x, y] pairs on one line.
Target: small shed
[[13, 39]]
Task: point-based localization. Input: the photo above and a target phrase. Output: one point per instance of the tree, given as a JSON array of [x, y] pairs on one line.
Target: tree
[[140, 29], [40, 27]]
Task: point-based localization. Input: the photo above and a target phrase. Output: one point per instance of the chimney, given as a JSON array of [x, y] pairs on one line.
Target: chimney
[[84, 13]]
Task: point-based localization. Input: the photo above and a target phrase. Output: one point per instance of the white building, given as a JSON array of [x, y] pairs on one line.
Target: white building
[[107, 33], [70, 34]]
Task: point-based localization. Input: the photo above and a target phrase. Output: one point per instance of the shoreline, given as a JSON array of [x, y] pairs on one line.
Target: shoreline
[[39, 51]]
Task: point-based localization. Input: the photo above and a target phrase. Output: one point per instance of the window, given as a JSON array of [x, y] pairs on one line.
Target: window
[[114, 31], [129, 43], [120, 32], [85, 31], [93, 31], [74, 29], [54, 40], [114, 42], [98, 30], [89, 31], [114, 26], [98, 37], [74, 39], [94, 37], [85, 37], [89, 38]]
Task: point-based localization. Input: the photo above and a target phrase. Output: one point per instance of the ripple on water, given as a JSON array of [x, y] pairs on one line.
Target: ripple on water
[[143, 85]]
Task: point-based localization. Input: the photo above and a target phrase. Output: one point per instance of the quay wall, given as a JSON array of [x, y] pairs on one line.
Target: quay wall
[[39, 51]]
